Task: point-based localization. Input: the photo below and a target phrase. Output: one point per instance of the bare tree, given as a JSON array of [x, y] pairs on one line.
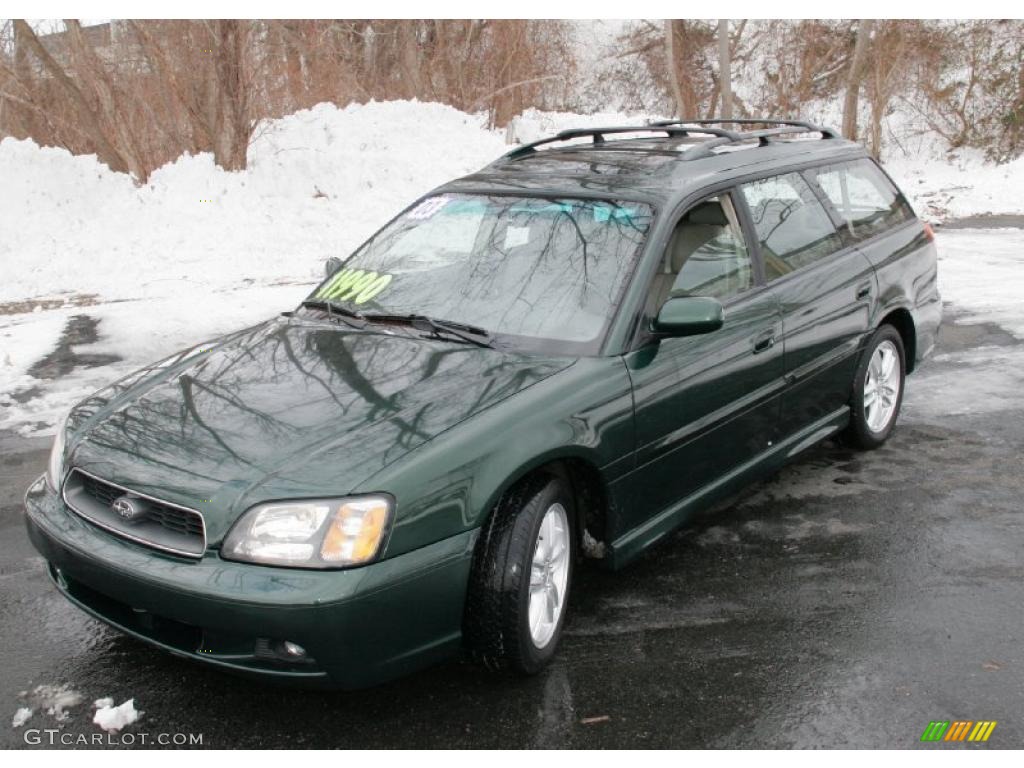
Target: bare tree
[[90, 123], [854, 77]]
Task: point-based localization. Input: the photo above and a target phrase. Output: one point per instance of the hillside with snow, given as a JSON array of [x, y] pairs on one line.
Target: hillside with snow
[[198, 251]]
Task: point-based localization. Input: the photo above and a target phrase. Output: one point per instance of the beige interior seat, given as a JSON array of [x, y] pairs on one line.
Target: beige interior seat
[[697, 228]]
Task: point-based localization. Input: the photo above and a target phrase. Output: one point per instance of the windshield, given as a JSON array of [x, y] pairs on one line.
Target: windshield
[[542, 273]]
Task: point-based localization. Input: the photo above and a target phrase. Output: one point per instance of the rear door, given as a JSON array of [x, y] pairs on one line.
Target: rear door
[[872, 214], [825, 288], [704, 404]]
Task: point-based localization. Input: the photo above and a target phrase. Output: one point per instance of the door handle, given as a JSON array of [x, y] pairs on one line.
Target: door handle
[[863, 291], [764, 343]]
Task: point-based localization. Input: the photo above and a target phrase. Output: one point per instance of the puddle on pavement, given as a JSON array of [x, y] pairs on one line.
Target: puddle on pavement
[[80, 330]]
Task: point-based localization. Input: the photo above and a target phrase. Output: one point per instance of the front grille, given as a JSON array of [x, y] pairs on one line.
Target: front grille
[[163, 525], [173, 518]]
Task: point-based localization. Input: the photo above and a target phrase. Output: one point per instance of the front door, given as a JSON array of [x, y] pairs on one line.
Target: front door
[[704, 404]]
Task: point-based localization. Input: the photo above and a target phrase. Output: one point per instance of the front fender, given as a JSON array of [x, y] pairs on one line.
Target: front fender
[[451, 483]]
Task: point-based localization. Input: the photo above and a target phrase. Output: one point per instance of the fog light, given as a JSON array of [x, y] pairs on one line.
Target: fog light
[[294, 650]]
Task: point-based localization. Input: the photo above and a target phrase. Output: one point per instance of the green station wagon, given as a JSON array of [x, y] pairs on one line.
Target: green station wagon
[[560, 357]]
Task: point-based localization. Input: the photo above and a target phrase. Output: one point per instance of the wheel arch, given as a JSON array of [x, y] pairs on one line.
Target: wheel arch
[[902, 320], [590, 495]]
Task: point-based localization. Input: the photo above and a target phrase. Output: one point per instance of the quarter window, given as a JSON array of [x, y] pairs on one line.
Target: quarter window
[[864, 198], [792, 226]]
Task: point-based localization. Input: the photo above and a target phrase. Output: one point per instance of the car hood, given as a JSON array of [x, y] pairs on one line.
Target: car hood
[[287, 409]]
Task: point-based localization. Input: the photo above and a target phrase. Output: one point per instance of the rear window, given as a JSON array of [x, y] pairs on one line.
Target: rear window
[[866, 201]]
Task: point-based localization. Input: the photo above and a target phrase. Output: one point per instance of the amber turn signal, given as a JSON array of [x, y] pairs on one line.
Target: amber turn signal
[[357, 531]]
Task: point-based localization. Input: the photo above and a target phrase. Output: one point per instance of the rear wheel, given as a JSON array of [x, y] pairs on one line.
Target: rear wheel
[[877, 390], [521, 577]]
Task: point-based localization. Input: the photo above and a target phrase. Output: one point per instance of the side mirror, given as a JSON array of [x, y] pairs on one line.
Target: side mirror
[[689, 316], [332, 265]]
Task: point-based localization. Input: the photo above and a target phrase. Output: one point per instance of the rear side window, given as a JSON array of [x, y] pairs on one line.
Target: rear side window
[[792, 226], [866, 201]]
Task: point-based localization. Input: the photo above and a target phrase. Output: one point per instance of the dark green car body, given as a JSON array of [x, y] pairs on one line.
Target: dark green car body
[[648, 428]]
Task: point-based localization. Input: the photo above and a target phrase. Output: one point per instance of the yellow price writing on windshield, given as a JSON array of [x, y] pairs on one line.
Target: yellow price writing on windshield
[[355, 285]]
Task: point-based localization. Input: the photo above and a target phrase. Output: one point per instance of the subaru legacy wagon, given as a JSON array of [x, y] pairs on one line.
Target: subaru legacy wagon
[[558, 358]]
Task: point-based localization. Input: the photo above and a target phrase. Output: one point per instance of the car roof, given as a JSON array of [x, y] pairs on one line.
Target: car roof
[[657, 170]]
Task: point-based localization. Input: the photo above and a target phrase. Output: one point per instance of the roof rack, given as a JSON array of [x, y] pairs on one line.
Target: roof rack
[[597, 135], [720, 136]]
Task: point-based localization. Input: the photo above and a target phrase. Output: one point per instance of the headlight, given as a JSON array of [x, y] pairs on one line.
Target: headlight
[[55, 469], [318, 533]]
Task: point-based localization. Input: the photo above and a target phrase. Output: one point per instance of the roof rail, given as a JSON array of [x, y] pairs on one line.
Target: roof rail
[[720, 136], [597, 135], [828, 133]]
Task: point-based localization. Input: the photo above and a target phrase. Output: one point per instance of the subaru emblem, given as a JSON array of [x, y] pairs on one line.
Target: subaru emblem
[[127, 508]]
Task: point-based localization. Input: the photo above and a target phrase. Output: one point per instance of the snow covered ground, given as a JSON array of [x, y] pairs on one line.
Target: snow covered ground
[[981, 278], [981, 271], [197, 251]]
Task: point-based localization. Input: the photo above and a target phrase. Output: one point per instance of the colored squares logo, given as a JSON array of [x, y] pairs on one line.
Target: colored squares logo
[[958, 730]]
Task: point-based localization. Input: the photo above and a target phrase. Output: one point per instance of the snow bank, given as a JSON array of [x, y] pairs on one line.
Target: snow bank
[[318, 183]]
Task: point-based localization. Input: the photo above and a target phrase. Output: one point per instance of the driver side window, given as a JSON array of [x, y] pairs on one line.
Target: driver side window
[[706, 255]]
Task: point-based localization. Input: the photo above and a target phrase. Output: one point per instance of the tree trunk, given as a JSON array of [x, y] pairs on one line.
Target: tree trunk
[[673, 68], [860, 53], [877, 112], [725, 68], [231, 126]]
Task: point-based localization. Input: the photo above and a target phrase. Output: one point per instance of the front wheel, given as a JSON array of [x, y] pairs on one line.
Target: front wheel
[[522, 573], [877, 390]]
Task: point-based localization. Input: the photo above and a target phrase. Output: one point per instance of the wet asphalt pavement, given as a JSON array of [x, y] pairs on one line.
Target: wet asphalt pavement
[[846, 602]]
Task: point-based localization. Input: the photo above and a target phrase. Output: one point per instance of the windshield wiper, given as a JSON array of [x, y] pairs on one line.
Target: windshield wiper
[[350, 316], [449, 329]]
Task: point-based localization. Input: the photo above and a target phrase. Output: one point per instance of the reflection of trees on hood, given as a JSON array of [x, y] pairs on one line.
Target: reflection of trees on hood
[[289, 385]]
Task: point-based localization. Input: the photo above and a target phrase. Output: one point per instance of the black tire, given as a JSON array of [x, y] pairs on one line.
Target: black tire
[[859, 433], [496, 625]]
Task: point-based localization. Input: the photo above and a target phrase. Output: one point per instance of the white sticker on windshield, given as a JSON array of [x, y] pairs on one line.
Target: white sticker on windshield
[[428, 207], [516, 236]]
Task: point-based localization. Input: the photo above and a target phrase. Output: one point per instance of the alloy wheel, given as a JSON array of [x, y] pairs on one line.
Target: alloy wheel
[[549, 575], [882, 386]]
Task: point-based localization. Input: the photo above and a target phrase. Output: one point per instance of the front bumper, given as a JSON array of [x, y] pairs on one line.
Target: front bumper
[[360, 627]]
